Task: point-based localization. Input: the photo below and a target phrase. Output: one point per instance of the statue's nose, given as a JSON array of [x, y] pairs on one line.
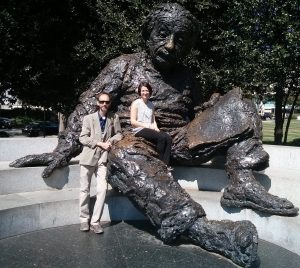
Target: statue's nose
[[170, 43]]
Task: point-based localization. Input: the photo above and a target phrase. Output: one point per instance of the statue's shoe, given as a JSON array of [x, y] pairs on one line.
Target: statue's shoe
[[237, 241], [253, 195]]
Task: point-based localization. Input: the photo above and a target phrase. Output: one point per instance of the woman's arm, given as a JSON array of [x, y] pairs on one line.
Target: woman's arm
[[154, 124]]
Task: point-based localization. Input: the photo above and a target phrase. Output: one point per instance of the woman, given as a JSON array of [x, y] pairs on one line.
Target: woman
[[143, 120]]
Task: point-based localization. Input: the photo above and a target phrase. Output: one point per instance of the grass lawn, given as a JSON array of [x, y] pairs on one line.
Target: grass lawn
[[293, 134]]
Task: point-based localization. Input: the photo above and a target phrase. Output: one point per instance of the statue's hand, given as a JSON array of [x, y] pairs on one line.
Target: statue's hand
[[212, 101], [51, 160]]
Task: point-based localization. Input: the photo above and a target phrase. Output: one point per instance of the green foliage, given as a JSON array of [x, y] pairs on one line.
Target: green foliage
[[51, 50], [23, 120], [293, 138]]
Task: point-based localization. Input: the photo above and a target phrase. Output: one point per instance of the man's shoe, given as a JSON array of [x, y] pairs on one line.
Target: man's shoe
[[84, 226], [97, 229]]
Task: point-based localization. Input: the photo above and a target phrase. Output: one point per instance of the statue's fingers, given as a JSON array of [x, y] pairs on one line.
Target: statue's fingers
[[33, 160], [20, 162], [57, 162], [49, 169]]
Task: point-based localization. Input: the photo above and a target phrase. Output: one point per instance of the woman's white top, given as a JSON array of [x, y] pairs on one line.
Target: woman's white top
[[144, 113]]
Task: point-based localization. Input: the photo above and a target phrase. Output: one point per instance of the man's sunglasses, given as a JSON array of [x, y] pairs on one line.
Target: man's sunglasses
[[103, 101]]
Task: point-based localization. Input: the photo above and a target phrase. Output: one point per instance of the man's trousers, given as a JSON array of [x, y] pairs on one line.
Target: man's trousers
[[86, 173]]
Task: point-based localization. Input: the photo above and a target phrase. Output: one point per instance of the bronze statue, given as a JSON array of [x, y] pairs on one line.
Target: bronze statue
[[199, 130]]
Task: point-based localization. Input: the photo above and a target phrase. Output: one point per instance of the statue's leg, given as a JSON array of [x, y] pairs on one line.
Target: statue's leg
[[233, 124], [135, 170], [244, 190]]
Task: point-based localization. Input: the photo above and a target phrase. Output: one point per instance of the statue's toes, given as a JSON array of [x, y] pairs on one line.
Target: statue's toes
[[244, 234], [280, 202], [246, 242], [284, 206]]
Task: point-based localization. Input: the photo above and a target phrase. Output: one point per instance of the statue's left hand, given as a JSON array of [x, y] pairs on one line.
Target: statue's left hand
[[51, 160], [211, 102]]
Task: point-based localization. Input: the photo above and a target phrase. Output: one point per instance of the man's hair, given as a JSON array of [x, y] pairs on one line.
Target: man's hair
[[144, 84], [102, 93], [169, 11]]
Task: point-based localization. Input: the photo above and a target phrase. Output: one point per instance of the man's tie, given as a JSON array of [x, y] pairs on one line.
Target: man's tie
[[102, 123]]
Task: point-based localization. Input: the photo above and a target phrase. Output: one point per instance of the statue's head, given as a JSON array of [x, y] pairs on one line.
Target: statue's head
[[170, 32]]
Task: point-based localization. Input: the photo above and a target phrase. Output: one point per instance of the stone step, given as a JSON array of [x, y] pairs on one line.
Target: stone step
[[17, 180], [13, 148], [276, 181], [30, 211], [28, 202], [26, 212], [282, 231]]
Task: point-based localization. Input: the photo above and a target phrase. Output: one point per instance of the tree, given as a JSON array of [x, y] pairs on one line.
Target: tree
[[261, 47], [52, 50]]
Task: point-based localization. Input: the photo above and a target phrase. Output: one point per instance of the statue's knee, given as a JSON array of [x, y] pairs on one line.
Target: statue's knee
[[178, 223], [248, 154]]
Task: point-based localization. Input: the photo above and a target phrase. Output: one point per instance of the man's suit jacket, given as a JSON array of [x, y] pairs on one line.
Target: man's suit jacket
[[91, 134]]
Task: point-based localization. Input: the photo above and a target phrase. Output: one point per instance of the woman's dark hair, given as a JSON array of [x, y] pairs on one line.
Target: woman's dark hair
[[144, 84]]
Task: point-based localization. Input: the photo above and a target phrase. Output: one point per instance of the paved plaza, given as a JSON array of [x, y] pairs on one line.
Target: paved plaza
[[124, 244]]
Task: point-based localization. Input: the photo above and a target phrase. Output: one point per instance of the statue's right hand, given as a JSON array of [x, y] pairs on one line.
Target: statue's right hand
[[51, 160]]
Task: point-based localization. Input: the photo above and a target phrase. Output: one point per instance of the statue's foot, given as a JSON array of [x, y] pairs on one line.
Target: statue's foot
[[235, 240], [253, 195]]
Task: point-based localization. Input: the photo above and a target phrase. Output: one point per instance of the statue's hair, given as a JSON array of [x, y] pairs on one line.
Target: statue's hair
[[170, 11]]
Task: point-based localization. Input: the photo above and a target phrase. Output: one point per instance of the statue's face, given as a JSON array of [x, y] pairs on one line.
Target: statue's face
[[169, 42]]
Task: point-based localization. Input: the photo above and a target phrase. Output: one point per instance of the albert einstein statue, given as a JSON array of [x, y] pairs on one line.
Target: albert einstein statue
[[225, 123]]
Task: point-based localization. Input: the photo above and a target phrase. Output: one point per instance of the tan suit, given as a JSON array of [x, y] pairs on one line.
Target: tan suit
[[91, 134], [93, 160]]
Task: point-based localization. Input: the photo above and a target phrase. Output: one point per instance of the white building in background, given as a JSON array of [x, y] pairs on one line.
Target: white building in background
[[269, 107], [7, 105]]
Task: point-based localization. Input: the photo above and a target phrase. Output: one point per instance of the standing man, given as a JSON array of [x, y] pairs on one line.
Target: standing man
[[99, 132]]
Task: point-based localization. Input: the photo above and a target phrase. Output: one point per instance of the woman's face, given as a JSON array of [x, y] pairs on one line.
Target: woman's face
[[145, 94]]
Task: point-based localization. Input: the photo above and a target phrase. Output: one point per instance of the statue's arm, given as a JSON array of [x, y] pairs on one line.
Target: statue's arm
[[211, 102], [109, 80]]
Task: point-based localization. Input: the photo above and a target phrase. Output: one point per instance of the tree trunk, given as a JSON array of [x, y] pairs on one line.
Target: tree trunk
[[289, 118], [62, 122], [278, 131], [285, 103]]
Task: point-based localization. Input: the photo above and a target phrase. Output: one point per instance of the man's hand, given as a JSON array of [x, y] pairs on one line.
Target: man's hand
[[104, 145]]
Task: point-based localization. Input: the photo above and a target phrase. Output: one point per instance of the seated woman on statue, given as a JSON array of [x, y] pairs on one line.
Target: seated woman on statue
[[144, 124]]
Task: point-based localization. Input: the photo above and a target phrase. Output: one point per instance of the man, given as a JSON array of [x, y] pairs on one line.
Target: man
[[99, 132], [227, 123]]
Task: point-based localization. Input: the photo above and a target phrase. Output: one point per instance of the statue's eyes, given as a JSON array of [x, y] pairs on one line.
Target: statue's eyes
[[179, 39], [162, 33]]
